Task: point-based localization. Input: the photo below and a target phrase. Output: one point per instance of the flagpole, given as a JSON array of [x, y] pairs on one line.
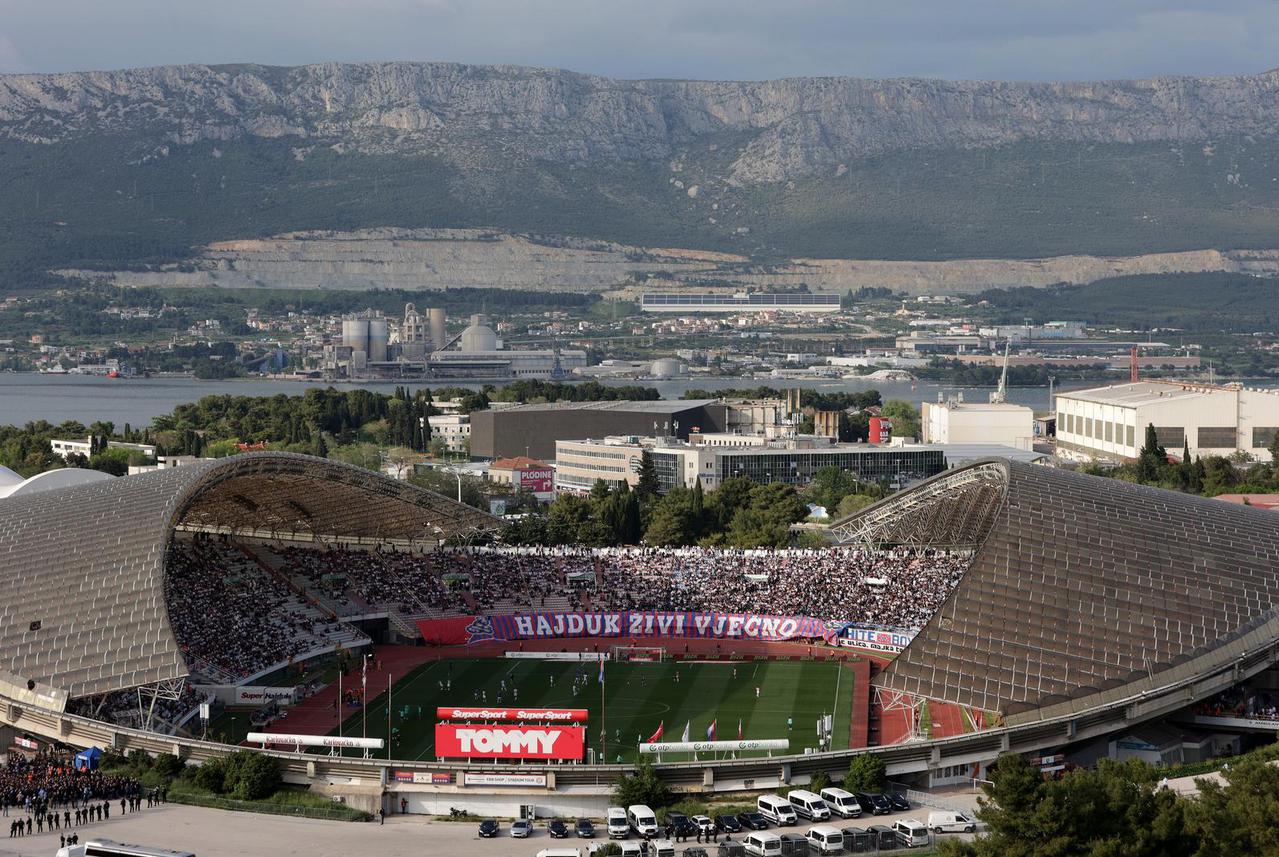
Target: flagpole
[[388, 717], [341, 701], [603, 728], [364, 697]]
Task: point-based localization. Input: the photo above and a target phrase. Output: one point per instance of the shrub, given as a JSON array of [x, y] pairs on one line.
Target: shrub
[[643, 787], [212, 775], [867, 773], [168, 765], [820, 780], [139, 759], [258, 777]]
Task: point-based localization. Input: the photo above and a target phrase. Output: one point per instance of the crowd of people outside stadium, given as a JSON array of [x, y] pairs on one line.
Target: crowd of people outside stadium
[[44, 791]]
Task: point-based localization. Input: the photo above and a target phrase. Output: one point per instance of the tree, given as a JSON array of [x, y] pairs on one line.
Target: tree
[[866, 773], [904, 417], [648, 485], [1152, 457], [643, 787], [1238, 817]]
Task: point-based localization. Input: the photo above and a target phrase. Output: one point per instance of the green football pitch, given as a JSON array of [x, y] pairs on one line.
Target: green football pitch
[[637, 697]]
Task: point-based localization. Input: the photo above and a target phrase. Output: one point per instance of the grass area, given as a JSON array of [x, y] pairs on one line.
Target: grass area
[[637, 698], [286, 801]]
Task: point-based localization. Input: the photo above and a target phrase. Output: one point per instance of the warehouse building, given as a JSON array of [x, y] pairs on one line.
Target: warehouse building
[[532, 430], [1109, 423]]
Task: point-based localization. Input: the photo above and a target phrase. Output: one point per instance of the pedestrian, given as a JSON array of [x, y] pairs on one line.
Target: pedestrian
[[381, 814], [124, 806], [404, 805], [699, 834], [757, 692]]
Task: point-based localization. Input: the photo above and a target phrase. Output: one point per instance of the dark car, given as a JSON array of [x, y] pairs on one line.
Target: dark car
[[489, 828], [752, 820], [584, 828], [874, 803], [898, 802], [857, 840], [679, 823], [728, 824], [557, 829], [885, 837]]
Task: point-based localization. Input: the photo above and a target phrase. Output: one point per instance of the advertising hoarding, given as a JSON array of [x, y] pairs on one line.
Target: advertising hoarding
[[461, 741]]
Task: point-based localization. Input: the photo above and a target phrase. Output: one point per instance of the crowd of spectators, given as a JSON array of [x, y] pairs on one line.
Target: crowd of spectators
[[897, 588], [124, 708], [1240, 701], [229, 614]]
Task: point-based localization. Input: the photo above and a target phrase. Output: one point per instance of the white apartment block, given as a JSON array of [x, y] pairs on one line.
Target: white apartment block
[[453, 429]]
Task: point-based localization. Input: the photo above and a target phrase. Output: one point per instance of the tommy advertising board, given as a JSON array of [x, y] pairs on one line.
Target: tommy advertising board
[[462, 741], [536, 715], [468, 630]]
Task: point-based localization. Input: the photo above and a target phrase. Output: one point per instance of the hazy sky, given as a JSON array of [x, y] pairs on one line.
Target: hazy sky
[[1004, 39]]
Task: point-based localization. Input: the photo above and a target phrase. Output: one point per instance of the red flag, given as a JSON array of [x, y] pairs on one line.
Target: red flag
[[710, 730], [657, 736]]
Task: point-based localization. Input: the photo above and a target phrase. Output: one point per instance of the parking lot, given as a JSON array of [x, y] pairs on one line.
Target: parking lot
[[218, 833]]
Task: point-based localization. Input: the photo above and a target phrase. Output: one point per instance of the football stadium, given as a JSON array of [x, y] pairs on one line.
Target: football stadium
[[372, 637]]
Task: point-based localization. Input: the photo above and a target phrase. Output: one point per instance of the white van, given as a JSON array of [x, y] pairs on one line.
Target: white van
[[825, 839], [762, 844], [951, 822], [842, 803], [661, 848], [642, 819], [911, 833], [631, 849], [616, 823], [776, 809], [560, 852], [808, 805]]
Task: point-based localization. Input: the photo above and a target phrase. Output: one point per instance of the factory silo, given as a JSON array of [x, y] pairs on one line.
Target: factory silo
[[355, 334], [439, 337], [478, 336], [379, 336]]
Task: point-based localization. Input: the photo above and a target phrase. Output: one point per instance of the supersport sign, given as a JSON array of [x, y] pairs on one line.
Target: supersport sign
[[537, 715], [458, 741]]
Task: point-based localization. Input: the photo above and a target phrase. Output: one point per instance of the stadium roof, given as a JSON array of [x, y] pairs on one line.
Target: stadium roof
[[82, 603], [1081, 586]]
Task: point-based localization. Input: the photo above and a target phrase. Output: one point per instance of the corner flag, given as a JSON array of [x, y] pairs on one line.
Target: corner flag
[[601, 669], [657, 736], [687, 726], [710, 730]]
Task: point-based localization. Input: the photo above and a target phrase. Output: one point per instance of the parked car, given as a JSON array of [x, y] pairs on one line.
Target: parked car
[[898, 802], [585, 830], [752, 821], [728, 824], [874, 803], [704, 824], [558, 829], [521, 828], [489, 828], [680, 823]]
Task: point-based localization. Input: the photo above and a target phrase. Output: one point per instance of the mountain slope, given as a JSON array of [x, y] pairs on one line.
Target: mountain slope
[[100, 168]]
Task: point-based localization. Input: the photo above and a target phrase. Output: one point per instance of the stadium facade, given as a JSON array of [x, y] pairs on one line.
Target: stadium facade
[[1091, 604]]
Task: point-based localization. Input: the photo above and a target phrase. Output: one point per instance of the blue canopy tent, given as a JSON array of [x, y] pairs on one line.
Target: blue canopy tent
[[87, 760]]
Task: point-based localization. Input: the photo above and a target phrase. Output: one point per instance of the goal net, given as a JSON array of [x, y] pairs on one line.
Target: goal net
[[622, 654]]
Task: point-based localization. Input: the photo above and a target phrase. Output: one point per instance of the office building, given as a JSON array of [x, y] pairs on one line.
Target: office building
[[957, 421]]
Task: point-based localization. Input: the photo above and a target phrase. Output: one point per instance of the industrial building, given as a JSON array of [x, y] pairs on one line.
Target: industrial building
[[793, 461], [1109, 423], [725, 303], [533, 429], [957, 421], [419, 347]]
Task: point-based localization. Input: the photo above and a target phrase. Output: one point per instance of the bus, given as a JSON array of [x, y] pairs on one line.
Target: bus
[[109, 848]]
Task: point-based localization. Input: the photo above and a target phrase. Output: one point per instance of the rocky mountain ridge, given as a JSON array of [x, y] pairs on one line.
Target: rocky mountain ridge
[[753, 132]]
